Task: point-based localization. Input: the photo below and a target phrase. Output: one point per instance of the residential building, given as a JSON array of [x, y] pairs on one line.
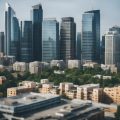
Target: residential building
[[2, 40], [14, 91], [97, 95], [90, 65], [37, 18], [50, 40], [90, 42], [28, 84], [74, 64], [20, 66], [112, 49], [85, 91], [65, 86], [67, 39], [112, 95], [35, 67], [46, 88], [12, 32], [26, 43], [58, 63]]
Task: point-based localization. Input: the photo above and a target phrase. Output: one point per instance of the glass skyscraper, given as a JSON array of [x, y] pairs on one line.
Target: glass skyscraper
[[90, 44], [37, 18], [50, 40], [78, 46], [67, 39], [11, 32], [26, 42], [2, 42]]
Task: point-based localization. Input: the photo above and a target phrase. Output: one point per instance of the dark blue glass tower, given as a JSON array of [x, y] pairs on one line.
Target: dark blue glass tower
[[2, 41], [90, 44], [37, 18], [12, 32], [78, 46], [26, 42]]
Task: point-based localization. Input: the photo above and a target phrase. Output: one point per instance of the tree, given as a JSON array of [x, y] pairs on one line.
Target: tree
[[117, 114]]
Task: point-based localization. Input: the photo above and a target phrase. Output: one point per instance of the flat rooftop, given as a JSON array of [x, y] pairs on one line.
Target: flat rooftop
[[89, 85], [26, 99]]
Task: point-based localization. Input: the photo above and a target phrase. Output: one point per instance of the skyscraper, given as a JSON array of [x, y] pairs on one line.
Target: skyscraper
[[11, 32], [26, 42], [90, 44], [67, 39], [2, 42], [112, 47], [37, 18], [103, 50], [50, 40], [78, 46]]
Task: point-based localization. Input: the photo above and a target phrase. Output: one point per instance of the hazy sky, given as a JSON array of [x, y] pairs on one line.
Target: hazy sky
[[110, 10]]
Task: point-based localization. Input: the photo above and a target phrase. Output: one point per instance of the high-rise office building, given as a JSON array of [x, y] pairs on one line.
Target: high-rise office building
[[112, 47], [90, 42], [78, 46], [50, 40], [26, 42], [103, 50], [68, 39], [11, 32], [2, 42], [37, 18]]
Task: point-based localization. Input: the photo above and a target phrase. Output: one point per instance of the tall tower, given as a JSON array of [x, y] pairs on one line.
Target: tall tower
[[78, 46], [12, 32], [112, 46], [68, 39], [50, 40], [90, 42], [26, 42], [2, 41], [37, 18]]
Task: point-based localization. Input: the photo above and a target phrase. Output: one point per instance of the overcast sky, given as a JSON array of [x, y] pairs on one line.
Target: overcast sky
[[110, 10]]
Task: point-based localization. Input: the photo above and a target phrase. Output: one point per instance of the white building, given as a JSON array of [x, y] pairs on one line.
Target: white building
[[20, 66], [73, 64], [112, 47], [57, 63]]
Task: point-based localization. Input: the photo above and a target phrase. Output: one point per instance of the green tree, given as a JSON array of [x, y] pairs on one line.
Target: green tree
[[117, 114]]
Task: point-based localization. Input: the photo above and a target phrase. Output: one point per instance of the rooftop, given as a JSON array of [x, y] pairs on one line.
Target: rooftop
[[25, 99]]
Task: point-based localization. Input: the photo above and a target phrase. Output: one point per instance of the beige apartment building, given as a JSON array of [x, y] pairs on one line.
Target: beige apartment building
[[46, 88], [112, 95], [97, 95], [14, 91], [20, 66], [85, 91]]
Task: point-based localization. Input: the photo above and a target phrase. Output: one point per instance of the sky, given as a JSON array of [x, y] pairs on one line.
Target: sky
[[110, 10]]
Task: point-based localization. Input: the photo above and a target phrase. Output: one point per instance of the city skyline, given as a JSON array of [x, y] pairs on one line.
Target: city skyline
[[74, 9]]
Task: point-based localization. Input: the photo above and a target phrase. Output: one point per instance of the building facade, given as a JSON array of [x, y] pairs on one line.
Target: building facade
[[50, 40], [37, 18], [112, 47], [11, 32], [67, 39], [2, 38], [90, 43], [26, 42], [78, 46]]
